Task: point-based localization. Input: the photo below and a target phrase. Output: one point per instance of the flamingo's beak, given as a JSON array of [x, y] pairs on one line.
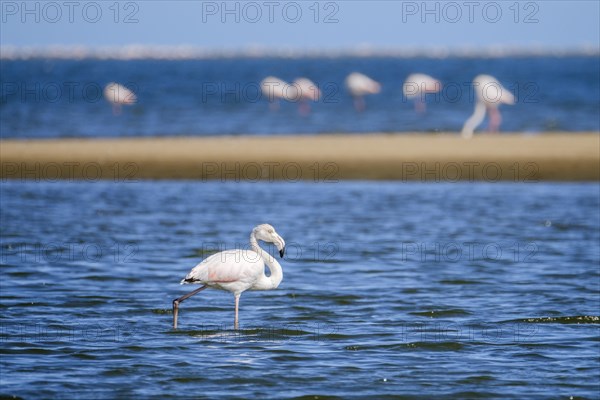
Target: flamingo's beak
[[281, 252]]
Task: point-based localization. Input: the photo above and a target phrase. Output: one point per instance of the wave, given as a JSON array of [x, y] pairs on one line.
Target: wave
[[578, 319]]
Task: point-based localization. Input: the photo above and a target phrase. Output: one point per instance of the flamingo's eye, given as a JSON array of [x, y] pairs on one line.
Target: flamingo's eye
[[271, 231]]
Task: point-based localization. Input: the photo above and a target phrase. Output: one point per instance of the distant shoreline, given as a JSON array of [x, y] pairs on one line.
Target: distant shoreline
[[146, 52], [317, 158]]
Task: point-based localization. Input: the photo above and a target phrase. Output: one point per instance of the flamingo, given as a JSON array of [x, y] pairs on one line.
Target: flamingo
[[118, 95], [489, 95], [307, 91], [416, 86], [237, 270], [360, 85], [275, 89]]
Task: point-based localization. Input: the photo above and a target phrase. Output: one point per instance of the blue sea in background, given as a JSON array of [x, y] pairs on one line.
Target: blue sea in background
[[51, 98], [390, 289]]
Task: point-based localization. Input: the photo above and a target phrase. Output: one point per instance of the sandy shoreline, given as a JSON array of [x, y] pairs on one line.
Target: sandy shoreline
[[320, 158]]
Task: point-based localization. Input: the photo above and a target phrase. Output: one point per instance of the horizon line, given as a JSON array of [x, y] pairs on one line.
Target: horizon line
[[191, 52]]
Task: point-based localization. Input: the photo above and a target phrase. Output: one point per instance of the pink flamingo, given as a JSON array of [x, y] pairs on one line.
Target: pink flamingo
[[360, 85], [275, 89], [416, 86], [307, 91], [489, 95], [237, 270], [118, 95]]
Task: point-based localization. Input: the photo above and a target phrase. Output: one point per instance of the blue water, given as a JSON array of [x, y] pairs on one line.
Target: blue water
[[431, 290], [62, 98]]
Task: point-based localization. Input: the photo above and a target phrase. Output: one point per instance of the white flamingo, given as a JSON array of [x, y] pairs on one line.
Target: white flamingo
[[237, 270], [275, 89], [489, 95], [360, 85], [307, 91], [416, 86], [118, 95]]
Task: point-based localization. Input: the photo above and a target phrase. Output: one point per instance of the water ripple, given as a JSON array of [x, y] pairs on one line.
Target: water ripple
[[370, 301]]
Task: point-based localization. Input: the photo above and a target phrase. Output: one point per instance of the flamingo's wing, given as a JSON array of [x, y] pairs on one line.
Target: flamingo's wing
[[119, 94], [308, 89], [507, 96], [226, 267], [273, 88], [415, 84], [360, 85]]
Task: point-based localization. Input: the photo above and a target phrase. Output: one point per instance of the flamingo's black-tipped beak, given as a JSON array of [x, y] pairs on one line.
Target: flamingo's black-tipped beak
[[282, 252]]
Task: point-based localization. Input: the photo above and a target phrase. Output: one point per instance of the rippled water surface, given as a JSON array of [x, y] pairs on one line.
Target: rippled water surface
[[458, 290]]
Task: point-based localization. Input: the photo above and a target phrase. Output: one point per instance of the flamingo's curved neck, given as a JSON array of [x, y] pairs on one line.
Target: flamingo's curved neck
[[267, 282], [475, 119]]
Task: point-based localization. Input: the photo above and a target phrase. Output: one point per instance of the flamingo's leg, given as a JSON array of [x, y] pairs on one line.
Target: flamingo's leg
[[304, 108], [274, 105], [495, 119], [237, 306], [180, 300], [359, 103], [420, 106]]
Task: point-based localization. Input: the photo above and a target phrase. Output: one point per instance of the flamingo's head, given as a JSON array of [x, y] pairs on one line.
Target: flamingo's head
[[266, 233]]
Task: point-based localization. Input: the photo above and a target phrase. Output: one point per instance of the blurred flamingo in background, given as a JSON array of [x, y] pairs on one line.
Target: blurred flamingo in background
[[118, 95], [275, 89], [307, 91], [416, 86], [489, 94], [360, 85]]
